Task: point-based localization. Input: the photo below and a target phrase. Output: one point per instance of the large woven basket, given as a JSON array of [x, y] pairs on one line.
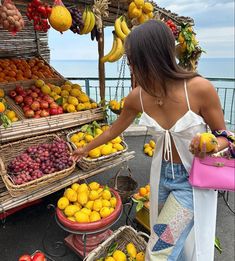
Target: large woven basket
[[122, 236], [9, 151], [125, 185], [88, 163]]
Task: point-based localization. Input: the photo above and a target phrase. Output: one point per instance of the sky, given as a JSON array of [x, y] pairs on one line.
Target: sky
[[214, 25]]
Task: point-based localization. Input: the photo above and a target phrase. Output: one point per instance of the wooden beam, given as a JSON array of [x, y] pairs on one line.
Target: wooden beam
[[101, 66]]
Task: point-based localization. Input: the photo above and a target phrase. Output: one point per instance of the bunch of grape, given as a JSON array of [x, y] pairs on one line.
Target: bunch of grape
[[77, 23], [173, 27]]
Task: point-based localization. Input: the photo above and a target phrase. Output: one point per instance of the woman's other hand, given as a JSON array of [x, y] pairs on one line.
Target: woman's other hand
[[79, 153]]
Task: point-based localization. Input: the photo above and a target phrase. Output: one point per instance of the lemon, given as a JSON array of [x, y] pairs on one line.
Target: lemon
[[73, 100], [104, 212], [113, 202], [81, 107], [117, 140], [210, 140], [70, 108], [100, 190], [150, 15], [89, 204], [66, 87], [95, 153], [93, 195], [97, 205], [140, 256], [81, 217], [152, 144], [106, 150], [150, 153], [76, 86], [65, 106], [56, 89], [72, 219], [75, 92], [2, 93], [119, 255], [14, 119], [106, 194], [111, 210], [62, 203], [104, 128], [78, 205], [147, 149], [83, 98], [148, 7], [94, 216], [83, 142], [64, 93], [39, 83], [131, 250], [118, 146], [98, 131], [78, 144], [86, 211], [46, 89], [11, 114], [112, 103], [106, 203], [74, 138], [146, 145], [82, 198], [75, 186], [114, 150], [87, 105], [94, 185], [88, 138], [70, 210], [70, 194], [109, 258], [94, 105]]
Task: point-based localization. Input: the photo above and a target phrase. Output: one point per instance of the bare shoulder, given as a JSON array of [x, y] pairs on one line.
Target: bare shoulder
[[133, 97], [200, 86]]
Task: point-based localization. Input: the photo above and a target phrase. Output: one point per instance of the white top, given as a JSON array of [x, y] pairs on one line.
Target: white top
[[182, 133]]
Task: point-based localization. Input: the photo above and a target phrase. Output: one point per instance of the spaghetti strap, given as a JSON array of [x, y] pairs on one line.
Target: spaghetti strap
[[141, 101], [186, 94]]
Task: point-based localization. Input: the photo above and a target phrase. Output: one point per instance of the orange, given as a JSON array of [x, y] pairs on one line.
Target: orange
[[143, 191], [147, 187]]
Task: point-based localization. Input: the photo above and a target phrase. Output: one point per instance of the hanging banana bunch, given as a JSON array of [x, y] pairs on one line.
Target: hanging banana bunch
[[121, 28], [88, 18]]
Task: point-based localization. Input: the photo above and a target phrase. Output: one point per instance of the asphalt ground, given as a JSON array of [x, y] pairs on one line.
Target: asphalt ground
[[35, 228]]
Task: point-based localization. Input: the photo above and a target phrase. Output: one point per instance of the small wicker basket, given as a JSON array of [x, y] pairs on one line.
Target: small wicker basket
[[122, 237], [9, 151], [124, 185], [88, 163]]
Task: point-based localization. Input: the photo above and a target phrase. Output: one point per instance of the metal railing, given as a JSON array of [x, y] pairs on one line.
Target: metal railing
[[224, 86]]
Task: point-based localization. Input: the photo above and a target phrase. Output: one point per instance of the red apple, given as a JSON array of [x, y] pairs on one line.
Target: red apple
[[37, 90], [35, 106], [28, 92], [53, 111], [44, 113], [44, 105], [29, 114], [19, 89], [53, 105], [60, 110], [12, 94], [28, 100], [26, 108], [33, 88], [38, 112], [37, 116], [25, 258], [39, 257], [34, 95], [18, 99]]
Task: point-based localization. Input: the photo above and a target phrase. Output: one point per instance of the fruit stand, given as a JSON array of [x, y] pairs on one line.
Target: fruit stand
[[44, 117]]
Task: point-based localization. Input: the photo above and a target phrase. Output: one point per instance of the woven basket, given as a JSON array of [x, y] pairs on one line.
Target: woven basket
[[9, 151], [118, 112], [124, 185], [87, 163], [122, 236]]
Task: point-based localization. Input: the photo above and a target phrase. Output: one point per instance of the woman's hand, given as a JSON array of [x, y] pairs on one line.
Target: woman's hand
[[79, 153], [200, 151]]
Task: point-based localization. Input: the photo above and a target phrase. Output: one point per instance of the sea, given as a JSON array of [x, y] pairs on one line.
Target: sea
[[207, 67]]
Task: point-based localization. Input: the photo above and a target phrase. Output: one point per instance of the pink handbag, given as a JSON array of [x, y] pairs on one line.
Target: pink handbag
[[216, 173]]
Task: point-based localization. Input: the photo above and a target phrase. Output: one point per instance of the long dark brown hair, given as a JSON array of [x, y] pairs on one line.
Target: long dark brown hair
[[150, 50]]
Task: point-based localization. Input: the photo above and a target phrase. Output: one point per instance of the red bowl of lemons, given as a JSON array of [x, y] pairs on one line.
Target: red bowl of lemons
[[88, 207]]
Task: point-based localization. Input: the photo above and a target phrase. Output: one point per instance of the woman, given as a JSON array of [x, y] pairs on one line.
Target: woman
[[175, 106]]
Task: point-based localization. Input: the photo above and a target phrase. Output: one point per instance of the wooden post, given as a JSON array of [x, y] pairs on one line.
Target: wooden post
[[101, 66]]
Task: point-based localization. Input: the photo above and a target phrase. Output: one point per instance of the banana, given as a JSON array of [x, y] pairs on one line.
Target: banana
[[119, 50], [118, 29], [86, 17], [106, 57], [124, 27], [92, 22]]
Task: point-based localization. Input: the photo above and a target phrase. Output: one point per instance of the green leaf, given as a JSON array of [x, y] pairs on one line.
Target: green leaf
[[106, 187], [112, 248], [84, 128], [218, 245], [139, 206], [5, 121], [59, 101], [96, 124]]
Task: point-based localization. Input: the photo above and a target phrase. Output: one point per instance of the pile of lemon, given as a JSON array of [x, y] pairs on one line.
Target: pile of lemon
[[116, 105], [70, 96], [87, 203], [149, 148], [130, 253], [81, 138], [140, 10]]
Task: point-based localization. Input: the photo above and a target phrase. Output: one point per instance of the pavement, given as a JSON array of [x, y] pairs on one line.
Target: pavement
[[34, 228]]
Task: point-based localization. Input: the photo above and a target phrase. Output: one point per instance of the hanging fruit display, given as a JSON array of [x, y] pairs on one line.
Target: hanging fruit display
[[173, 27], [10, 17], [39, 12], [60, 18], [77, 21], [88, 18]]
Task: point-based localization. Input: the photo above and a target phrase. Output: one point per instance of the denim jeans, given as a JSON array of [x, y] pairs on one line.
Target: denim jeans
[[176, 197]]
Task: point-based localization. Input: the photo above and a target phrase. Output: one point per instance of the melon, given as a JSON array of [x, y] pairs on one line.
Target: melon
[[60, 18]]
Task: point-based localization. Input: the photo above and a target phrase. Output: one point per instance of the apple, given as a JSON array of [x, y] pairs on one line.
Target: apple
[[37, 116], [53, 111], [38, 112], [19, 89], [26, 108], [44, 105], [25, 258], [12, 94], [54, 105], [44, 113], [60, 110], [34, 95], [18, 99], [39, 256], [28, 92], [29, 113], [35, 106], [28, 100], [37, 90]]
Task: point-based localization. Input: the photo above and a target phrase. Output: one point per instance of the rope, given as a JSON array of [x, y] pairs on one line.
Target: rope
[[100, 10]]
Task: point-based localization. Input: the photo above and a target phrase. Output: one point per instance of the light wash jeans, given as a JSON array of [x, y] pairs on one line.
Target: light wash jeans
[[176, 193]]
